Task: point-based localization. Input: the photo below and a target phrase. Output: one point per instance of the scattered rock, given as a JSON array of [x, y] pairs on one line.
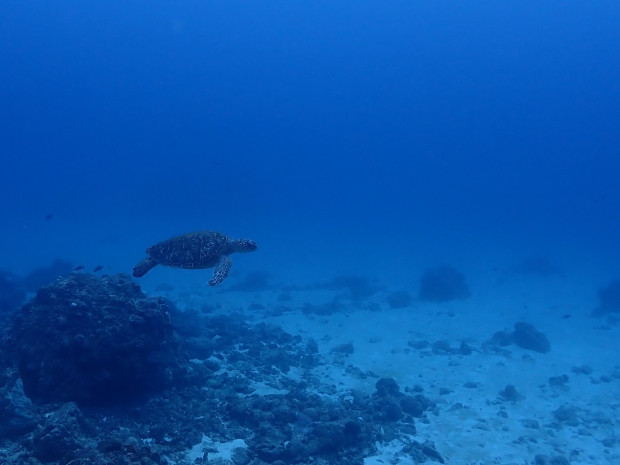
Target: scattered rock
[[387, 387], [502, 338], [609, 299], [390, 404], [528, 337], [416, 405], [465, 349], [530, 423], [567, 415], [559, 381], [327, 308], [442, 347], [421, 344], [443, 284], [471, 384], [582, 370], [59, 434], [510, 394], [525, 335], [555, 460], [421, 453], [109, 445], [240, 456], [344, 349]]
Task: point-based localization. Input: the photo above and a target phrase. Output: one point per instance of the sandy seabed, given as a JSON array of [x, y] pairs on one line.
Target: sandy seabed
[[567, 400]]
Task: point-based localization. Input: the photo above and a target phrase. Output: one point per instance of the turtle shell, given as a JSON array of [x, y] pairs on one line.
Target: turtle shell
[[200, 249]]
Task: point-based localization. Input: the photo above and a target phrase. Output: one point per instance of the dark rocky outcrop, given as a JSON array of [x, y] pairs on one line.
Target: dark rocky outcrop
[[443, 284], [525, 335], [528, 337], [91, 340], [609, 299]]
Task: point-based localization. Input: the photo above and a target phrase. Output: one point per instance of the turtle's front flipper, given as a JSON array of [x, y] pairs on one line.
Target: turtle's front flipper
[[143, 267], [222, 268]]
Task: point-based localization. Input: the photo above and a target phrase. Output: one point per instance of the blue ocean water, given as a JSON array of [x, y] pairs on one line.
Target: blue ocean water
[[347, 138], [387, 128]]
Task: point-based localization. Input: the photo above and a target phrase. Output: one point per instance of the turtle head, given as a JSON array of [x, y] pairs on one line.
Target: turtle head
[[245, 245]]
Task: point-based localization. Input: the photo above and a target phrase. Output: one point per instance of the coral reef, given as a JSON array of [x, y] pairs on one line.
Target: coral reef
[[91, 340], [210, 379]]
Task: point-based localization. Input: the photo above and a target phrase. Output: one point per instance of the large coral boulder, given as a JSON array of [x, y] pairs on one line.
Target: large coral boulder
[[609, 299], [92, 340], [443, 284]]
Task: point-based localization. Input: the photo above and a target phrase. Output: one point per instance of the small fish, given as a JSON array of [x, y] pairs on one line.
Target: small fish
[[78, 268], [98, 268], [49, 216]]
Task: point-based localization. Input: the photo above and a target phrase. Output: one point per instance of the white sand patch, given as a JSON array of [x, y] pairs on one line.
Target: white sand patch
[[390, 453], [212, 450], [263, 389]]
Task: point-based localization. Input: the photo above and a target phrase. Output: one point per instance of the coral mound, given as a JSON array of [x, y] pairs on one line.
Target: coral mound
[[91, 340], [443, 284]]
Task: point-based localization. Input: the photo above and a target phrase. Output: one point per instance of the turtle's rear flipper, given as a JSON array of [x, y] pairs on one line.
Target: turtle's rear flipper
[[222, 268], [143, 267]]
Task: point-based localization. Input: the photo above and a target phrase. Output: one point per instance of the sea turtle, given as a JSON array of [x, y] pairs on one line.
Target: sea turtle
[[201, 249]]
